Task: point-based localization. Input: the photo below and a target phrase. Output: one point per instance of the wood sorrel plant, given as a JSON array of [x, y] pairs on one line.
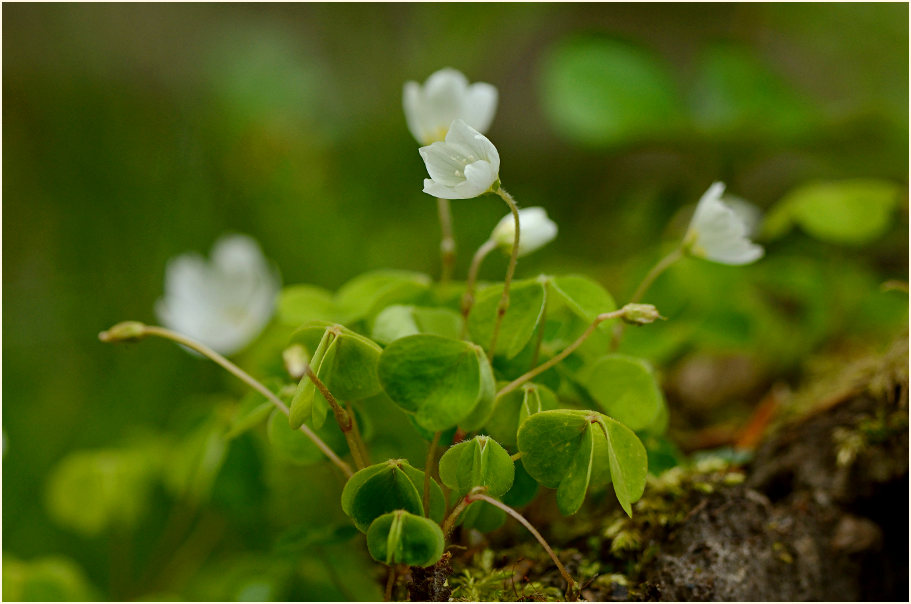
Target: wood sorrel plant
[[497, 378]]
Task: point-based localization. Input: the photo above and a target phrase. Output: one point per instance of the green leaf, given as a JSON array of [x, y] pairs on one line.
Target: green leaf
[[584, 297], [624, 388], [526, 306], [403, 538], [293, 445], [94, 491], [48, 579], [480, 461], [481, 412], [737, 96], [253, 410], [548, 442], [439, 380], [392, 485], [511, 409], [482, 517], [398, 321], [849, 212], [298, 304], [192, 464], [301, 539], [304, 398], [628, 462], [551, 441], [602, 91], [524, 488], [344, 361], [351, 374], [572, 489], [366, 295]]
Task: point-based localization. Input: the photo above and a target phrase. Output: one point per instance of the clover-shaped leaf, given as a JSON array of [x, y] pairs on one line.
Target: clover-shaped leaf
[[400, 537], [344, 360], [625, 388], [298, 304], [479, 462], [526, 306], [388, 486], [366, 295], [295, 446], [523, 490], [511, 409], [482, 517], [566, 449], [440, 380], [584, 297], [398, 321]]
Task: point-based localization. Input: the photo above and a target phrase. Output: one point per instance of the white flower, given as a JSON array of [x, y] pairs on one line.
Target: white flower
[[447, 96], [464, 166], [224, 303], [535, 230], [718, 233]]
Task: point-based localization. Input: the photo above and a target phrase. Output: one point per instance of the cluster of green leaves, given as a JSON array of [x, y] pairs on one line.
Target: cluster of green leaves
[[393, 337]]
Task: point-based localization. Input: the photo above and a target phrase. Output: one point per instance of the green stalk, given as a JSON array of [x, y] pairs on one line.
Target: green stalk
[[510, 271], [132, 330]]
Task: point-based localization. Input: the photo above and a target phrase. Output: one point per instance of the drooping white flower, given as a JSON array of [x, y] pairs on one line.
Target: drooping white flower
[[718, 233], [444, 97], [224, 303], [463, 166], [535, 230]]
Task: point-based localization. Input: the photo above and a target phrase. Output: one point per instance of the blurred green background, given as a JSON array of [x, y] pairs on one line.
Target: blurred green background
[[133, 133]]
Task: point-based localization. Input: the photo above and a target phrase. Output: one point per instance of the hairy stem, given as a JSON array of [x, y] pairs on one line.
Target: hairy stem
[[342, 417], [431, 454], [390, 584], [447, 242], [356, 430], [562, 355], [510, 271], [540, 338], [167, 334], [468, 297], [661, 266], [450, 521], [570, 583]]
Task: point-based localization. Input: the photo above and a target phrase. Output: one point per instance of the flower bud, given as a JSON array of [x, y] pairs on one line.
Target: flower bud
[[535, 230], [640, 314], [123, 332]]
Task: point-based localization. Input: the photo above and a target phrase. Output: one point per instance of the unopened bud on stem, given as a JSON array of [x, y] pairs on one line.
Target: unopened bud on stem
[[640, 314], [295, 358], [128, 331]]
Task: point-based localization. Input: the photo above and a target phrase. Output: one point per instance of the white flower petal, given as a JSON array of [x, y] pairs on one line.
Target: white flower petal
[[224, 303], [463, 166], [717, 233], [536, 230], [444, 97], [480, 105]]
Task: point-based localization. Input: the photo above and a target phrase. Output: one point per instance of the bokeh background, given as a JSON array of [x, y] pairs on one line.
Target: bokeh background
[[132, 133]]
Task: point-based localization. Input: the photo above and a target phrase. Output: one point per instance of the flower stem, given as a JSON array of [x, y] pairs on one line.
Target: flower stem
[[342, 417], [152, 330], [570, 583], [356, 430], [450, 521], [510, 271], [540, 338], [468, 297], [562, 355], [431, 454], [447, 242], [661, 266], [390, 584]]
